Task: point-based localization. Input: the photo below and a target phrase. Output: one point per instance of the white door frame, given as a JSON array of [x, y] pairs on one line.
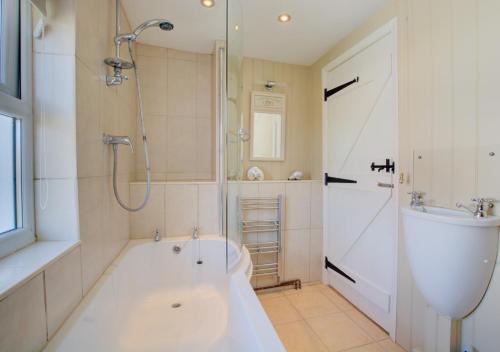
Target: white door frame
[[387, 29]]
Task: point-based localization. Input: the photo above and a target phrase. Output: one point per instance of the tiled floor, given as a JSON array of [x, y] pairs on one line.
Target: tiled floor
[[317, 318]]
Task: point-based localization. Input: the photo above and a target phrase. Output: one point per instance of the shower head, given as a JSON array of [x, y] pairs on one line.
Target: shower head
[[160, 23]]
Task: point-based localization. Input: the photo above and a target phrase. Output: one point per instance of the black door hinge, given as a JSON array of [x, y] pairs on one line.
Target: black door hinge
[[329, 265], [329, 179]]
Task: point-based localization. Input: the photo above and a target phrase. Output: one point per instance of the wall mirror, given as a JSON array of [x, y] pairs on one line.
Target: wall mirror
[[267, 141]]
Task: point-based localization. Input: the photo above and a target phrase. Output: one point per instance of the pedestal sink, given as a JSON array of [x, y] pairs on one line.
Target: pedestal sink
[[452, 255]]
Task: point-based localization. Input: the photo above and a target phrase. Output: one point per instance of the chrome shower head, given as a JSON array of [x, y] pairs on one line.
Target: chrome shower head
[[160, 23]]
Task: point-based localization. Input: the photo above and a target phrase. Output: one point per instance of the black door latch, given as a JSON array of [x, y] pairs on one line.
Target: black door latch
[[329, 179], [388, 167]]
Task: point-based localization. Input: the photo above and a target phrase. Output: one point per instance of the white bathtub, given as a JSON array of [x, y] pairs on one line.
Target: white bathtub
[[130, 307]]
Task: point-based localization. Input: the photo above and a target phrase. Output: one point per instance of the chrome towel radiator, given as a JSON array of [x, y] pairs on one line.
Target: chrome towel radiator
[[260, 221]]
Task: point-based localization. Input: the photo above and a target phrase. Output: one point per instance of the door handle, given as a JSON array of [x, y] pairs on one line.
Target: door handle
[[329, 179], [385, 185]]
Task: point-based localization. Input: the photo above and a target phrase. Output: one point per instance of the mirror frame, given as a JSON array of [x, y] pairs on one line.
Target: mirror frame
[[253, 109]]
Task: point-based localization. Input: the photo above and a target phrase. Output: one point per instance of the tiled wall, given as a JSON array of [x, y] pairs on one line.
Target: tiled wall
[[178, 93], [303, 234], [55, 164], [33, 313], [99, 110], [73, 197], [175, 208]]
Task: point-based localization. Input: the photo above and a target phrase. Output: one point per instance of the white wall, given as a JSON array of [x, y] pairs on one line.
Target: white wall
[[451, 118], [449, 111]]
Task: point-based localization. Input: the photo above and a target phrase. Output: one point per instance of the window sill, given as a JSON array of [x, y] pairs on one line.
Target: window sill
[[18, 268]]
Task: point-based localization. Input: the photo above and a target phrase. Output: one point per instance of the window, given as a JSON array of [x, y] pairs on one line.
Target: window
[[10, 43], [16, 121]]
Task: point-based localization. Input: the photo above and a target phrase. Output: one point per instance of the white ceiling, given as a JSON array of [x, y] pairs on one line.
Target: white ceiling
[[196, 27], [316, 25]]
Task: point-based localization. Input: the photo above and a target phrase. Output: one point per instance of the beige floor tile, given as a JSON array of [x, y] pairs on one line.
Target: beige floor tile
[[311, 303], [373, 347], [280, 310], [305, 288], [372, 329], [299, 337], [338, 332], [269, 295], [389, 346], [337, 298]]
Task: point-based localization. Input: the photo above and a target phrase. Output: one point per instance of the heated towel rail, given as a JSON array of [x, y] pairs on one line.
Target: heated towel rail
[[262, 233]]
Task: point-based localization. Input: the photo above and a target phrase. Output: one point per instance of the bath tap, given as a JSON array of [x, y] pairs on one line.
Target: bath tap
[[481, 206], [417, 199], [195, 234], [157, 236]]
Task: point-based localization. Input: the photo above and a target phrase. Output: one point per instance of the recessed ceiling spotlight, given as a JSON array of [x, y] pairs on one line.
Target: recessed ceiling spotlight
[[208, 3], [284, 17]]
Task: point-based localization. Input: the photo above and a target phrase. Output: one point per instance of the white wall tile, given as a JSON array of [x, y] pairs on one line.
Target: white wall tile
[[92, 32], [208, 209], [143, 223], [22, 318], [90, 149], [316, 255], [181, 209], [298, 205], [204, 96], [62, 21], [181, 55], [154, 75], [54, 99], [91, 203], [316, 205], [181, 90], [151, 50], [156, 129], [63, 288], [204, 149], [116, 227], [58, 220], [297, 254], [181, 145]]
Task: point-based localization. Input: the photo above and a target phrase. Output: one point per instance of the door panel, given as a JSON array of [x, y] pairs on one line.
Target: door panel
[[361, 218]]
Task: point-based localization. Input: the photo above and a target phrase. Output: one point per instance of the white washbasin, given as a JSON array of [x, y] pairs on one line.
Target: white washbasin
[[452, 255]]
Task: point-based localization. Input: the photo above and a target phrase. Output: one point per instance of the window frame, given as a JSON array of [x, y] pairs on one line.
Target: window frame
[[22, 109]]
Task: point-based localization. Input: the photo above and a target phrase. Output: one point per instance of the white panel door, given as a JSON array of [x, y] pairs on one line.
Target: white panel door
[[360, 128]]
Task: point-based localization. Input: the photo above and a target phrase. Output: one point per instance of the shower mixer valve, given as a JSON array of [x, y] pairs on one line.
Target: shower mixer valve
[[116, 140]]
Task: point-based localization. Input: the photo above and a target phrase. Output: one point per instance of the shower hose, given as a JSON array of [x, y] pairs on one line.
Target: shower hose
[[144, 141]]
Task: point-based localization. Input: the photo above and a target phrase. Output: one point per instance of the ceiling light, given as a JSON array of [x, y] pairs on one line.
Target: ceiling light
[[284, 17], [208, 3], [236, 28]]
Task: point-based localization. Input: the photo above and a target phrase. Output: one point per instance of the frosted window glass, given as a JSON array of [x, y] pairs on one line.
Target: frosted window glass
[[7, 174]]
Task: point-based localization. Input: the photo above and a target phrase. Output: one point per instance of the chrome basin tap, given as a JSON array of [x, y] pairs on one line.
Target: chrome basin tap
[[480, 206]]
